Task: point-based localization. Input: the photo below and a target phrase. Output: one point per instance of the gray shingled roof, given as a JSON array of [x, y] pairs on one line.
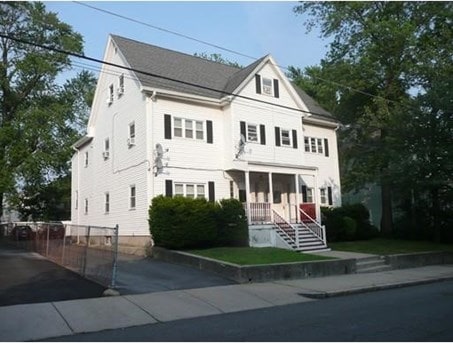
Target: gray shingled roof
[[193, 70]]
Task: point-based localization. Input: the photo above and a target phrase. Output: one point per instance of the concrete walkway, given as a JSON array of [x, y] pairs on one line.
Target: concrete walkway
[[54, 319]]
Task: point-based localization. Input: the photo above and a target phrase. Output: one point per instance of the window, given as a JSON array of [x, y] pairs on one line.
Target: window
[[178, 127], [131, 139], [313, 144], [199, 130], [310, 195], [252, 133], [267, 86], [190, 190], [323, 196], [106, 152], [320, 150], [132, 130], [110, 98], [286, 138], [86, 159], [132, 193], [200, 191], [106, 202], [120, 85], [86, 206], [307, 144], [187, 128]]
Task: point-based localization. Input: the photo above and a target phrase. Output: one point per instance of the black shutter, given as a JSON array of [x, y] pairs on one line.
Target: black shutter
[[263, 134], [167, 126], [276, 92], [304, 194], [243, 129], [209, 137], [295, 139], [329, 195], [168, 188], [211, 191], [277, 136], [326, 147], [258, 83]]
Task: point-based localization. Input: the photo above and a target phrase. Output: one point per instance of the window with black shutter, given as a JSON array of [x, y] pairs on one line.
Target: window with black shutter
[[263, 134], [329, 195], [209, 136], [211, 190], [167, 126], [168, 188], [277, 136], [258, 83], [276, 90]]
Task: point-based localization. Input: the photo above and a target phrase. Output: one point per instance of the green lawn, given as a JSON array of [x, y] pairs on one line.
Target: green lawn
[[383, 246], [248, 256]]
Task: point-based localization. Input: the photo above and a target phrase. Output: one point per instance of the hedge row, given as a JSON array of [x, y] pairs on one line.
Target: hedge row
[[184, 223], [348, 223]]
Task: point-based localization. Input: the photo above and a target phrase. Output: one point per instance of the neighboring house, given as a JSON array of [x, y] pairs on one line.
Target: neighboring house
[[150, 134]]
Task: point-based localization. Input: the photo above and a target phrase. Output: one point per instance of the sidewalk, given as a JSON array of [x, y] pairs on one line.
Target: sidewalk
[[46, 320]]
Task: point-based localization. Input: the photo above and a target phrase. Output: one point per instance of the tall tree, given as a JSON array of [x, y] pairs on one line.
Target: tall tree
[[379, 48], [33, 119]]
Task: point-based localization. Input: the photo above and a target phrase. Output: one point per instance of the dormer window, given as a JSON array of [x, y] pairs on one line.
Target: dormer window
[[267, 86]]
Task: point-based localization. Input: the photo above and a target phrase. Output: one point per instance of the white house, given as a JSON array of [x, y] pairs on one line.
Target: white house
[[175, 124]]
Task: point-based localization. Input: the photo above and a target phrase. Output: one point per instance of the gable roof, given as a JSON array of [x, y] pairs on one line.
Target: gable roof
[[218, 79]]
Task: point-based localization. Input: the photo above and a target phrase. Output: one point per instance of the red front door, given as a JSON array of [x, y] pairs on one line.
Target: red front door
[[310, 210]]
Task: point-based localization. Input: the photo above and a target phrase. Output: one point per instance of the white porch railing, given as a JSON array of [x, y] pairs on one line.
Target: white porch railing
[[260, 212], [286, 227], [317, 229]]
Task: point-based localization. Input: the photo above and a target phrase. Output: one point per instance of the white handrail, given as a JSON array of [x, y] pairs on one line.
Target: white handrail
[[318, 231], [278, 220]]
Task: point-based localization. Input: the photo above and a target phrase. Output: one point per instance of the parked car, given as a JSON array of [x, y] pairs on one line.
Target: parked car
[[22, 232]]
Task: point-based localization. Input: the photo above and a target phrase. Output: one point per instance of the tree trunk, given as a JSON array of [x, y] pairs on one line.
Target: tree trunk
[[387, 211]]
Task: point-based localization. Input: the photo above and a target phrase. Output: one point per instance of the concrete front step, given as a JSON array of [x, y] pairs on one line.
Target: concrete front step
[[374, 269], [372, 265]]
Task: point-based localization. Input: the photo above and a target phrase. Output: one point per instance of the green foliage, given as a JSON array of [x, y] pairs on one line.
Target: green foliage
[[232, 224], [179, 222], [348, 222], [217, 58], [397, 139], [37, 116], [184, 223]]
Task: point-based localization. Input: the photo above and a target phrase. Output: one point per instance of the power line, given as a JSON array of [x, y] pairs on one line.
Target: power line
[[224, 49], [73, 54]]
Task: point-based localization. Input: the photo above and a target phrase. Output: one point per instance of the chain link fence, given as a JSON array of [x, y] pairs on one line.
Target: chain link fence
[[90, 251]]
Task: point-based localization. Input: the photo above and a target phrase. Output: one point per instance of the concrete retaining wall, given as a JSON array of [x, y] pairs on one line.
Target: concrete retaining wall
[[259, 273], [414, 260]]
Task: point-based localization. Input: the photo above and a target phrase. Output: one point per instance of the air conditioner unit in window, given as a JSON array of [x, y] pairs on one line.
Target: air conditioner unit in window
[[131, 141], [106, 154]]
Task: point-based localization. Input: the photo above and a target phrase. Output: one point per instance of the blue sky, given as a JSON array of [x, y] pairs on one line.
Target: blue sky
[[252, 28]]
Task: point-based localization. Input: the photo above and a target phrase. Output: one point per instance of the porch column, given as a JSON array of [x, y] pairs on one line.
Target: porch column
[[318, 200], [247, 196], [297, 198], [271, 193]]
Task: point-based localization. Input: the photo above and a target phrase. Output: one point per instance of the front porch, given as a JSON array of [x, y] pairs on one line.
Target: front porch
[[280, 207]]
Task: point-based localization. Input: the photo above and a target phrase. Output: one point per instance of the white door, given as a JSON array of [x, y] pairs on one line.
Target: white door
[[281, 199]]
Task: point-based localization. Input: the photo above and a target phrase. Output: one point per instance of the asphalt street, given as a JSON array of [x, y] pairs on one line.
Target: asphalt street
[[417, 313]]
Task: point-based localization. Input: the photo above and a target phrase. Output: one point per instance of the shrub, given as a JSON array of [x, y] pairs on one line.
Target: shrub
[[180, 222], [349, 222], [232, 227]]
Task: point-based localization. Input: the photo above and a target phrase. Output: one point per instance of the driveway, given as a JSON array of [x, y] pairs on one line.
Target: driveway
[[27, 277]]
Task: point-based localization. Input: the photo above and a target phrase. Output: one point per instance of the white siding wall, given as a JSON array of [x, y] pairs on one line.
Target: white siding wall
[[190, 160], [328, 167], [126, 165]]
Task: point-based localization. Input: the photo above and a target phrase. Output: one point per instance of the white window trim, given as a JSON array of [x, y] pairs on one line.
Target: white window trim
[[106, 203], [195, 189], [271, 86], [132, 197], [289, 137], [120, 90], [323, 197], [310, 195], [258, 137], [194, 130], [319, 149]]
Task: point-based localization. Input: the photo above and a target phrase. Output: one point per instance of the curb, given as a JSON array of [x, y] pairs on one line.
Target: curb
[[332, 294]]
